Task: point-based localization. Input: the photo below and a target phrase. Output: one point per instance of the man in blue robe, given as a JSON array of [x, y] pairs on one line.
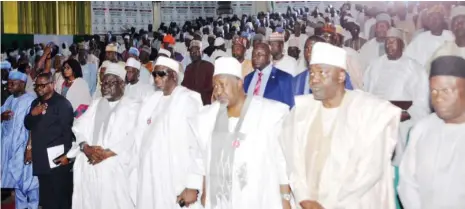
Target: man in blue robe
[[15, 173], [301, 84], [268, 81]]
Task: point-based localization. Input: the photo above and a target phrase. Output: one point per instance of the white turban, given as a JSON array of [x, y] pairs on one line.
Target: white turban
[[116, 69], [131, 62], [228, 66], [168, 62], [324, 53]]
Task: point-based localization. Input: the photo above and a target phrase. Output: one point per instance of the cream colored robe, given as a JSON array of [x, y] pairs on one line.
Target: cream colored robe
[[105, 185], [358, 172]]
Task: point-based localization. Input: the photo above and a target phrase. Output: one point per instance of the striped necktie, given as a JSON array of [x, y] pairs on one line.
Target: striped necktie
[[256, 91]]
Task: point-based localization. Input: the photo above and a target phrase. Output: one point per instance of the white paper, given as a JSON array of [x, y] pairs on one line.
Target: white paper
[[54, 152]]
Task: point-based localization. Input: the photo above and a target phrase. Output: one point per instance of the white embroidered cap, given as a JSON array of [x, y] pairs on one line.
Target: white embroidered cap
[[395, 32], [131, 62], [293, 42], [324, 53], [168, 62], [228, 66], [116, 69]]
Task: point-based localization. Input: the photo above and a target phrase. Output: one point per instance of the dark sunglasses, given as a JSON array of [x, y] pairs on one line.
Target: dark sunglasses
[[160, 74], [41, 86]]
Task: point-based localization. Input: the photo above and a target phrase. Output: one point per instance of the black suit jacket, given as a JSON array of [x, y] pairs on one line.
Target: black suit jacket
[[48, 130]]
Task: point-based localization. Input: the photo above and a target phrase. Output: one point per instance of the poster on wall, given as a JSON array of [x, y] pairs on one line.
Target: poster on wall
[[182, 11], [115, 16]]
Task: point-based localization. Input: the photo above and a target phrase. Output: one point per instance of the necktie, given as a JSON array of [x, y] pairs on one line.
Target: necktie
[[256, 91]]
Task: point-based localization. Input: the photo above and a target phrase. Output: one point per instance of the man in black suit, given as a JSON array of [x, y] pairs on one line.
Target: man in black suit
[[50, 120]]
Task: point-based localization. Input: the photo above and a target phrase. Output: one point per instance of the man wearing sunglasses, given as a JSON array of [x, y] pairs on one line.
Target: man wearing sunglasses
[[164, 141], [103, 134], [50, 120]]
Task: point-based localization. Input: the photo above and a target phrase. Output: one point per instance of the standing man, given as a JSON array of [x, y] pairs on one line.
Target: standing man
[[110, 57], [103, 134], [50, 120], [166, 149], [198, 75], [16, 170], [432, 171], [244, 163], [268, 81], [339, 142], [135, 88], [398, 78]]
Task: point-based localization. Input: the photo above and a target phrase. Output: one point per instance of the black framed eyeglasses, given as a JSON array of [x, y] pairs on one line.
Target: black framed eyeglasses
[[41, 86], [160, 73]]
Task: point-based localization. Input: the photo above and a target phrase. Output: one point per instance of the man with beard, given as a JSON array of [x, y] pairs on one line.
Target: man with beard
[[356, 42], [333, 127], [101, 167], [198, 75], [244, 162], [280, 60], [50, 120], [162, 135], [431, 171], [268, 81], [135, 88], [16, 170]]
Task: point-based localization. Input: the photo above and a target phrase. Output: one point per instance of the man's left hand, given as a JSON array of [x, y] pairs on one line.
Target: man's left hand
[[189, 196]]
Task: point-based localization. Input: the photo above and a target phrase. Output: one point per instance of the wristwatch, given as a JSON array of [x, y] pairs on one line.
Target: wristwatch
[[28, 147], [81, 146], [286, 196]]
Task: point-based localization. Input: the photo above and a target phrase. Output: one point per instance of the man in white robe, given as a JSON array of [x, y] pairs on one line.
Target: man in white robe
[[166, 149], [136, 89], [398, 78], [425, 44], [457, 46], [243, 160], [282, 61], [432, 171], [110, 57], [299, 36], [103, 156], [338, 142], [374, 48]]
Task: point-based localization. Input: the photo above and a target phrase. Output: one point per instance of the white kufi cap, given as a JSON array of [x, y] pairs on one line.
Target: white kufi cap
[[228, 66], [457, 11], [324, 53], [395, 32], [131, 62], [219, 41], [165, 52], [116, 69], [168, 62]]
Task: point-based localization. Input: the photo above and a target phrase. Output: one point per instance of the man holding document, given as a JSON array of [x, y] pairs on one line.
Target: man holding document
[[50, 120]]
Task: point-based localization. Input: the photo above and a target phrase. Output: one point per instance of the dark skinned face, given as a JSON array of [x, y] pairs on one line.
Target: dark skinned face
[[195, 53], [238, 51], [226, 89], [325, 81], [164, 77], [448, 96], [111, 56], [112, 87], [43, 87], [381, 29], [297, 30], [458, 26], [276, 48], [308, 50], [261, 56], [132, 75], [435, 21], [293, 52], [393, 47], [15, 86]]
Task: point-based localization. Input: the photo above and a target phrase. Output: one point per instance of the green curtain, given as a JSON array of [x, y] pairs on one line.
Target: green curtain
[[74, 17], [37, 17]]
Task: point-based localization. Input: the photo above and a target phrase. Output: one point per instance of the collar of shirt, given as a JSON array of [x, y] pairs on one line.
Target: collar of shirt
[[266, 71]]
